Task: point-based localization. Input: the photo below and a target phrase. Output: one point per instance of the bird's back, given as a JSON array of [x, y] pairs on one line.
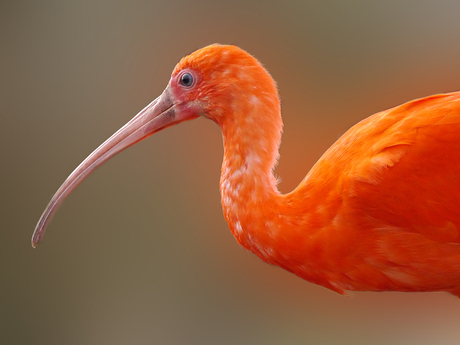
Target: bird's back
[[389, 192]]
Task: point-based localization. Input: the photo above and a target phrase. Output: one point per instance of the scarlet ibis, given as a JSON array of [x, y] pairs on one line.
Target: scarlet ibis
[[380, 211]]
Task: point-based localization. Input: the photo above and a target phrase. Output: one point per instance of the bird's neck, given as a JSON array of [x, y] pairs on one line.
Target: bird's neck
[[250, 199], [281, 229]]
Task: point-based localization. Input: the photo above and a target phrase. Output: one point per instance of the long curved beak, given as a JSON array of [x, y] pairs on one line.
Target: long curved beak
[[158, 115]]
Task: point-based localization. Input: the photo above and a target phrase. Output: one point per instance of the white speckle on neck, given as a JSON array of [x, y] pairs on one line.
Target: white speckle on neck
[[252, 158], [238, 172], [238, 228], [227, 201], [254, 100], [227, 72], [272, 229], [227, 185], [243, 75]]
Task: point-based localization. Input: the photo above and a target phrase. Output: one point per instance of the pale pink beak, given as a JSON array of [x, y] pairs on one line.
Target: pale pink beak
[[158, 115]]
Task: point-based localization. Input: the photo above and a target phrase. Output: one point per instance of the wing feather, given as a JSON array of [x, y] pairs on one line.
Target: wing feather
[[410, 175], [400, 167]]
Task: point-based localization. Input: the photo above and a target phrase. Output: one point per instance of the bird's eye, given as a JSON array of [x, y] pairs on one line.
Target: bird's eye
[[186, 80]]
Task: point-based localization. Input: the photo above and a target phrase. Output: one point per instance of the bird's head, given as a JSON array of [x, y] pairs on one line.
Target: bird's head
[[218, 82]]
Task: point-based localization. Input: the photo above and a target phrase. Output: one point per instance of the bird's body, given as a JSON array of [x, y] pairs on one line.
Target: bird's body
[[380, 211]]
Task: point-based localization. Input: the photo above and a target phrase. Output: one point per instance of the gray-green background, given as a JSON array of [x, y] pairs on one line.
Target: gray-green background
[[140, 253]]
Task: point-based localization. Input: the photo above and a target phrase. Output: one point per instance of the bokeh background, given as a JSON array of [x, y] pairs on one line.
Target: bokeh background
[[140, 252]]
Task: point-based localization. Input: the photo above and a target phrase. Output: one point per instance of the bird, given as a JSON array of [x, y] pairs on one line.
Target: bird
[[379, 211]]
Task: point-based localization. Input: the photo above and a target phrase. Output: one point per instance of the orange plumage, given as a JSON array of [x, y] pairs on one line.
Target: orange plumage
[[378, 212]]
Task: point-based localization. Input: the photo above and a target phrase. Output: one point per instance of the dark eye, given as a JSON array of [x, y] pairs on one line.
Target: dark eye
[[186, 80]]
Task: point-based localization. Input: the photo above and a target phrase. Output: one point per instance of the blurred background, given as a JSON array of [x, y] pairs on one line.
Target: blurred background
[[140, 252]]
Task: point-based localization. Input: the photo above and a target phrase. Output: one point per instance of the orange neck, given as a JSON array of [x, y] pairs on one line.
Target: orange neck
[[250, 198], [281, 229]]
